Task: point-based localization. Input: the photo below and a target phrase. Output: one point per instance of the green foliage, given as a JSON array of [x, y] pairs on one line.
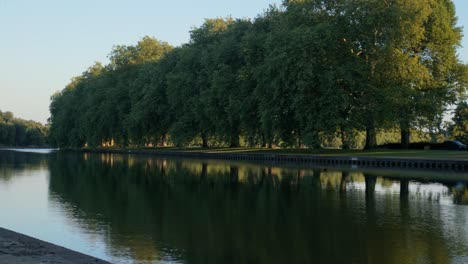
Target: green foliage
[[459, 129], [312, 73], [21, 133]]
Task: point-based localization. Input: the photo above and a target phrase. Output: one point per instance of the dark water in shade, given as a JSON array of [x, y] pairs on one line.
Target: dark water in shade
[[138, 209]]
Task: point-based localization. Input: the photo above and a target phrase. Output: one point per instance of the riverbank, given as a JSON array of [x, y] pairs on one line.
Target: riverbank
[[19, 248], [421, 159], [383, 153]]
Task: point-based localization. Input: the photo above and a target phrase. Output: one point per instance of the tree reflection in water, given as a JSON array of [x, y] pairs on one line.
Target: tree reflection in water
[[194, 211], [19, 163]]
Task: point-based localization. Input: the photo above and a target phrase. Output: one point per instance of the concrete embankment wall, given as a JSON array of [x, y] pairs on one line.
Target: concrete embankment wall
[[374, 162], [19, 248]]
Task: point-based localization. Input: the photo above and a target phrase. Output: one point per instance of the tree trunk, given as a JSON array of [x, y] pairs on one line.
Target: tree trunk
[[344, 138], [163, 140], [371, 137], [204, 140], [234, 139], [263, 141], [314, 140], [299, 139], [405, 137], [234, 142]]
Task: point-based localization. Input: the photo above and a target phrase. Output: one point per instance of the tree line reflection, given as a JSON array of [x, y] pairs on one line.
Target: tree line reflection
[[201, 211], [14, 163]]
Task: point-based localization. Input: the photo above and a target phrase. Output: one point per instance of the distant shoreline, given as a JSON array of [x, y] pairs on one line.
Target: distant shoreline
[[30, 150], [19, 248], [25, 147]]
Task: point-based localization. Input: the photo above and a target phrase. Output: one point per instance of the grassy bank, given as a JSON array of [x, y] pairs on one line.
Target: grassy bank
[[380, 153]]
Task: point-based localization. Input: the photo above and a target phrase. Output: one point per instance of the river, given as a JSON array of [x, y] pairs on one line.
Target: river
[[144, 209]]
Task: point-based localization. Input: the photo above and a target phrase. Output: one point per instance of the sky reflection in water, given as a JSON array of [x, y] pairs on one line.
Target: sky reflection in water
[[137, 209]]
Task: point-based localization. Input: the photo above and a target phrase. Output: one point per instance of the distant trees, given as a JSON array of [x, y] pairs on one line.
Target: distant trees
[[310, 72], [18, 132], [459, 128]]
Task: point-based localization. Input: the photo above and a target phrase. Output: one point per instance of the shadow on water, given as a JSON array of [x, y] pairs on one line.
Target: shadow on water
[[201, 211]]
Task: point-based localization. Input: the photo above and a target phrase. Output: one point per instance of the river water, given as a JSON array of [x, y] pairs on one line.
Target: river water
[[142, 209]]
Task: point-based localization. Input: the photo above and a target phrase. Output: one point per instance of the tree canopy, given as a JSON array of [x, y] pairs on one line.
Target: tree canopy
[[297, 75], [21, 133]]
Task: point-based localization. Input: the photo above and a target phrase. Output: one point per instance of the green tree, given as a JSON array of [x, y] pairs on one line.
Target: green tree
[[459, 129], [303, 74], [19, 132]]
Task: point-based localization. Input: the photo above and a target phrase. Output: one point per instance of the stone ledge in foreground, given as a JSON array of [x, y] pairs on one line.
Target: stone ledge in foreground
[[19, 248]]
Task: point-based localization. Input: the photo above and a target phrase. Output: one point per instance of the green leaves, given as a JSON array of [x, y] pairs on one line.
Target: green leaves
[[21, 133], [459, 129], [298, 75]]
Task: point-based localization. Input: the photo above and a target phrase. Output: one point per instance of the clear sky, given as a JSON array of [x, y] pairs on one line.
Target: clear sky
[[43, 44]]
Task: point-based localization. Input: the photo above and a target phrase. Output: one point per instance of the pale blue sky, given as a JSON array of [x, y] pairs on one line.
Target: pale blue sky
[[45, 43]]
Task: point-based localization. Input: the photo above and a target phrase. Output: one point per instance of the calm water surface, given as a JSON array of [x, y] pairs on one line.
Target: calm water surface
[[137, 209]]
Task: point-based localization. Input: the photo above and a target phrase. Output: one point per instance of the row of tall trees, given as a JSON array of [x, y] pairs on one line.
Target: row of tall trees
[[18, 132], [295, 75]]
